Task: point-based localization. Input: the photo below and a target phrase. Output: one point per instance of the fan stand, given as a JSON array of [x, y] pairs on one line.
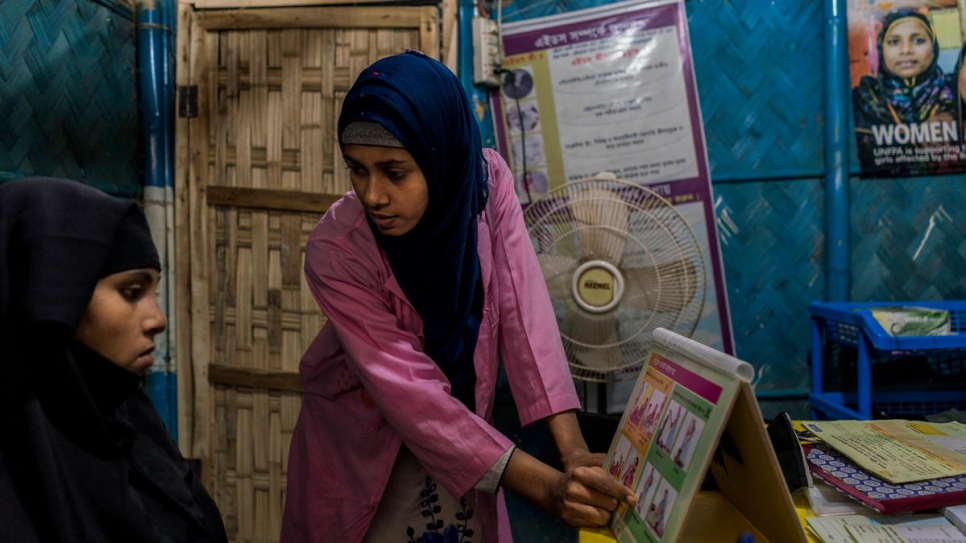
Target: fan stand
[[598, 287], [596, 395], [602, 398]]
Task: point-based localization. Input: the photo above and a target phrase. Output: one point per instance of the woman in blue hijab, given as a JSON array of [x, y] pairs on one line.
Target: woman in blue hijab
[[428, 279], [909, 87]]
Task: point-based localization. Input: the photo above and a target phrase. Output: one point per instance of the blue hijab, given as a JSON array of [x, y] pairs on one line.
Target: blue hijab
[[420, 102]]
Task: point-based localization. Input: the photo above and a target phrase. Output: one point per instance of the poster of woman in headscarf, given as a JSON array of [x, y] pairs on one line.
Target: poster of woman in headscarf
[[904, 61]]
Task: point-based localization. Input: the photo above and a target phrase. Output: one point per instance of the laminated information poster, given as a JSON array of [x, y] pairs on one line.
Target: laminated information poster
[[693, 410], [612, 89]]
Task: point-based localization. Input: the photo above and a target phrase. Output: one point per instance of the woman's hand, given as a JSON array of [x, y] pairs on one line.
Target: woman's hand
[[582, 496], [587, 496]]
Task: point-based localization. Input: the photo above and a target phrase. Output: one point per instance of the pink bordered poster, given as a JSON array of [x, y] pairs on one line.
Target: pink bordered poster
[[611, 89]]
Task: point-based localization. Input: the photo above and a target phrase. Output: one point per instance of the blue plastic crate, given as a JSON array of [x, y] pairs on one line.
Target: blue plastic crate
[[858, 369]]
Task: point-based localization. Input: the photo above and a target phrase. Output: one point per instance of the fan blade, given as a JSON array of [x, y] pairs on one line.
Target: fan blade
[[558, 272], [667, 287], [594, 341], [601, 217]]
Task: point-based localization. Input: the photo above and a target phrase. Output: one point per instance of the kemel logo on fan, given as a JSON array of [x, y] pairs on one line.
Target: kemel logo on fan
[[596, 286]]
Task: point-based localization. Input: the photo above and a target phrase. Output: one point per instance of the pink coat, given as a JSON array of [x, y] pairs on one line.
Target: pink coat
[[368, 386]]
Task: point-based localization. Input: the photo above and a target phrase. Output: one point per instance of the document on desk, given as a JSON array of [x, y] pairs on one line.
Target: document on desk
[[838, 470], [957, 515], [898, 451], [836, 529], [905, 534]]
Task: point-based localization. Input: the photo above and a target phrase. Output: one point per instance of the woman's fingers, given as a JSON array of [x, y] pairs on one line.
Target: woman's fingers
[[597, 459], [590, 496], [581, 515], [597, 479]]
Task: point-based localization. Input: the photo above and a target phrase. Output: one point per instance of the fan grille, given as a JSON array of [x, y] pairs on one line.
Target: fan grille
[[603, 237]]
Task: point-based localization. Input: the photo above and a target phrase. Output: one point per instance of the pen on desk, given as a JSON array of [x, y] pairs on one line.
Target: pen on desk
[[745, 538]]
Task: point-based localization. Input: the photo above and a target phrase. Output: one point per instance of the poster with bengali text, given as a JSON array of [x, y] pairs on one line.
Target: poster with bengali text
[[612, 89]]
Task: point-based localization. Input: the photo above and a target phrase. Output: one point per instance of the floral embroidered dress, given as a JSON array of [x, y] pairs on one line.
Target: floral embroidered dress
[[415, 509]]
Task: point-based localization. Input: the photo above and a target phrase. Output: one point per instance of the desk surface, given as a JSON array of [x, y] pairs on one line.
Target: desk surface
[[714, 520]]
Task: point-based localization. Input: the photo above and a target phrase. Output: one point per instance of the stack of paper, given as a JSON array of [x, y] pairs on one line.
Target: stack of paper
[[884, 497], [884, 529], [957, 515], [893, 466], [898, 451]]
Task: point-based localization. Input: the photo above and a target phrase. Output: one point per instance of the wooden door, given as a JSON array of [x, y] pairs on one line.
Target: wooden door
[[257, 163]]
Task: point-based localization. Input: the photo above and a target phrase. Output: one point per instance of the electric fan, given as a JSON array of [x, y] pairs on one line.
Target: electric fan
[[619, 261]]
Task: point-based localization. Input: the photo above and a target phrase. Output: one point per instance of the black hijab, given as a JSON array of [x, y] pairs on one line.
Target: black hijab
[[83, 454]]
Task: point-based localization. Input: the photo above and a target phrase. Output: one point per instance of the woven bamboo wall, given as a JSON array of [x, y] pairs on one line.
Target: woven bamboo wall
[[68, 92], [260, 166], [262, 319]]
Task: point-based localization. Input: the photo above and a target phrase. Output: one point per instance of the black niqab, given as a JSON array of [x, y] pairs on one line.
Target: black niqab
[[84, 456]]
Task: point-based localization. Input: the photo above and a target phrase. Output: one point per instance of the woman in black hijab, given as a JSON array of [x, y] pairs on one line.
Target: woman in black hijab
[[84, 456]]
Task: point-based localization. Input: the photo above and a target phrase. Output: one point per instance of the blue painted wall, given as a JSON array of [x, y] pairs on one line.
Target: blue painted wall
[[760, 75]]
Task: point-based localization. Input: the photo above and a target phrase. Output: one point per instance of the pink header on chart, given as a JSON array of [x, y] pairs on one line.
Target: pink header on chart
[[687, 378]]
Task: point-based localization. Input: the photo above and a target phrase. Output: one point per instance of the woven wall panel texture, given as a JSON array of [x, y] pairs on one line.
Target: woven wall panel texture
[[909, 239], [250, 464], [68, 92], [772, 243], [263, 314], [262, 317], [759, 67], [278, 98]]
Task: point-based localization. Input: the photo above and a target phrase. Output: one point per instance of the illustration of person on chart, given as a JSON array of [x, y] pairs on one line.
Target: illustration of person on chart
[[667, 434], [655, 516], [685, 444], [628, 478]]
